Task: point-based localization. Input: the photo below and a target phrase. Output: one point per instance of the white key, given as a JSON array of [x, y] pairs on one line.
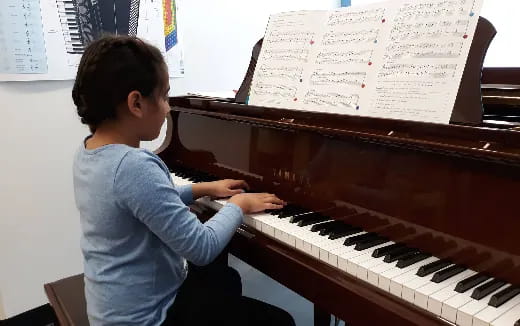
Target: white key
[[408, 293], [509, 318], [180, 181], [486, 316], [422, 293], [466, 312], [327, 247], [451, 305], [385, 278], [333, 257], [436, 300], [360, 257], [373, 274], [396, 284]]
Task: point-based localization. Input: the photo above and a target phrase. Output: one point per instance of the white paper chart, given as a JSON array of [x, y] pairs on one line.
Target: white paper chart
[[21, 38]]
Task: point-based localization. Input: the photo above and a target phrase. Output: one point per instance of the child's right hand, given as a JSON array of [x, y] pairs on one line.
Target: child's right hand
[[256, 202]]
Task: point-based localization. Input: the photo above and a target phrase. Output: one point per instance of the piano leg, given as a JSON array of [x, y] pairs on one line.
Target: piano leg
[[321, 318]]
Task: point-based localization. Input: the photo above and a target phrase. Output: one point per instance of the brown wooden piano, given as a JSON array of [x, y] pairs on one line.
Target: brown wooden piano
[[390, 222]]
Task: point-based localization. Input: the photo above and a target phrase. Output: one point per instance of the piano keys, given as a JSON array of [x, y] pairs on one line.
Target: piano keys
[[390, 221], [83, 21], [437, 285]]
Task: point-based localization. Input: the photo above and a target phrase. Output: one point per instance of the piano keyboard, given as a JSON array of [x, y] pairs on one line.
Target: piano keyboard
[[83, 21], [452, 292], [71, 26]]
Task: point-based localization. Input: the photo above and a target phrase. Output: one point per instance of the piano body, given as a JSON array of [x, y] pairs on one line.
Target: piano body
[[86, 20], [437, 192], [390, 222]]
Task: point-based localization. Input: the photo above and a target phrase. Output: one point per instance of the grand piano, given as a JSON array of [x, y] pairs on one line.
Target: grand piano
[[389, 222]]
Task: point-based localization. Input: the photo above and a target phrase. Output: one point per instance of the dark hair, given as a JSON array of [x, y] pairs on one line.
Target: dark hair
[[109, 70]]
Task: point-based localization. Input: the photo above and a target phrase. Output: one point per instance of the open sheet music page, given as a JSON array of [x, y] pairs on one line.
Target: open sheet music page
[[401, 59], [285, 55]]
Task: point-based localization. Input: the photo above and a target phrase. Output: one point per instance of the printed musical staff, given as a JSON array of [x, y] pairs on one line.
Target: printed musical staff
[[433, 9], [431, 30], [435, 71], [345, 78], [423, 50], [337, 57], [343, 17], [294, 37], [362, 36], [290, 73], [300, 55], [331, 99], [274, 90]]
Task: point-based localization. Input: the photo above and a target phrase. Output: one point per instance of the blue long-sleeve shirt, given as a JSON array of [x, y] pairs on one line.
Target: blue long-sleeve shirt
[[137, 234]]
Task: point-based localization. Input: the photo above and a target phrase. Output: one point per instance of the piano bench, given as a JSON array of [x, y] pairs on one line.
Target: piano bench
[[67, 298]]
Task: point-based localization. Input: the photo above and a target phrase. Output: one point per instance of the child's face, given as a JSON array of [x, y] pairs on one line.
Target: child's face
[[158, 107]]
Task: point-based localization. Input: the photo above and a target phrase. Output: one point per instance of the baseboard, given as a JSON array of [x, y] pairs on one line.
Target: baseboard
[[2, 309], [40, 316]]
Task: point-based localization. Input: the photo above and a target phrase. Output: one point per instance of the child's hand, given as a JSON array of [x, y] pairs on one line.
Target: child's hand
[[257, 202], [226, 188]]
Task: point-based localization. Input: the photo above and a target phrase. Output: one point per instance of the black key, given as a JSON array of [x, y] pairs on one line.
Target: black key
[[364, 245], [470, 282], [344, 232], [504, 296], [321, 226], [291, 210], [273, 211], [486, 289], [383, 251], [447, 273], [412, 259], [334, 225], [432, 267], [398, 254], [314, 220], [301, 217], [339, 226], [359, 238]]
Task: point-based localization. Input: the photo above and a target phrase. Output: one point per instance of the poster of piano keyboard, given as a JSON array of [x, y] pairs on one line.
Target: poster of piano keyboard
[[44, 39]]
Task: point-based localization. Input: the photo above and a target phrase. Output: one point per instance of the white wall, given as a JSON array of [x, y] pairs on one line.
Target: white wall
[[39, 229]]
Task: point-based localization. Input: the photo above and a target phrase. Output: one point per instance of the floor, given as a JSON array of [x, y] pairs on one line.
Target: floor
[[259, 286]]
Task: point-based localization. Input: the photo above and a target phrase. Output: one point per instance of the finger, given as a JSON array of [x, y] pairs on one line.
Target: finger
[[273, 206], [232, 192], [238, 184], [270, 196], [276, 200]]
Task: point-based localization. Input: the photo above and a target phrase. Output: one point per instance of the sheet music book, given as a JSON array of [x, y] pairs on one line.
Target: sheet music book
[[401, 59]]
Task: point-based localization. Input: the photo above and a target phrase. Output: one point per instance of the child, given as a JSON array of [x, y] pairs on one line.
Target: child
[[137, 232]]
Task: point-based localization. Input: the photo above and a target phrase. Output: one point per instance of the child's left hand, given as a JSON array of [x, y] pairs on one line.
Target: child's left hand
[[226, 188]]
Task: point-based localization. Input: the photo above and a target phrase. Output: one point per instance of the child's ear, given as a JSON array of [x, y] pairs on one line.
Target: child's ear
[[135, 103]]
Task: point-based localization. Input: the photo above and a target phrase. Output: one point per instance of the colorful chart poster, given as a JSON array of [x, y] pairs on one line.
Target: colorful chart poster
[[45, 39], [170, 24]]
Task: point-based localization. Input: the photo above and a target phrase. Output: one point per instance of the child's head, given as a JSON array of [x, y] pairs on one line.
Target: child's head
[[122, 79]]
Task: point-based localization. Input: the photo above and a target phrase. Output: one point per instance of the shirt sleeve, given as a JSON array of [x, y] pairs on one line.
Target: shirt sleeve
[[144, 188], [186, 194]]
